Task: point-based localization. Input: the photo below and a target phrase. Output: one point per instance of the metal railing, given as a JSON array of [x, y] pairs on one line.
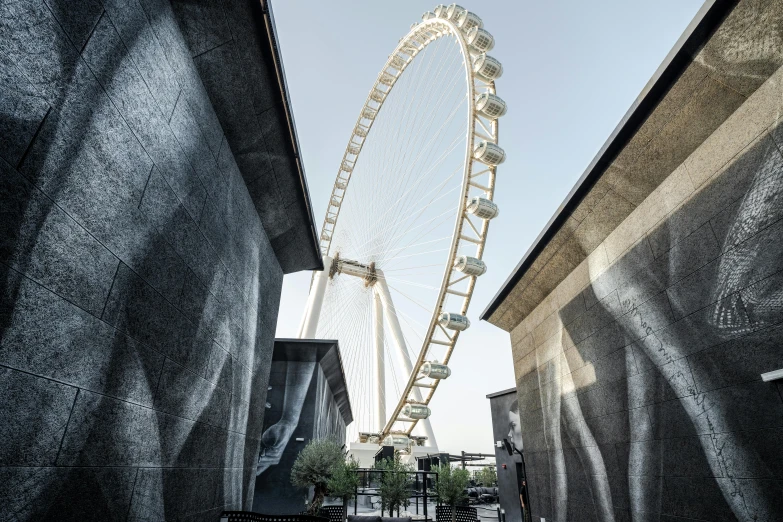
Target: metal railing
[[424, 486]]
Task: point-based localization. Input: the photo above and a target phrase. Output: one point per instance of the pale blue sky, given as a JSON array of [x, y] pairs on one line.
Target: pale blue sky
[[571, 71]]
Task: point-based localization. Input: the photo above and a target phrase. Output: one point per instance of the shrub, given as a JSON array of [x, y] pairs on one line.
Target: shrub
[[344, 481], [396, 484], [314, 466], [451, 486]]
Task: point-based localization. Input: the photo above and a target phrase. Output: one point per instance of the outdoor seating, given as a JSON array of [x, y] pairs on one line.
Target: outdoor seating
[[249, 516], [376, 518]]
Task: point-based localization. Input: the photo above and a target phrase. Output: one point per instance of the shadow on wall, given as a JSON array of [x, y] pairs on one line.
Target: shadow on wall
[[656, 405], [138, 286]]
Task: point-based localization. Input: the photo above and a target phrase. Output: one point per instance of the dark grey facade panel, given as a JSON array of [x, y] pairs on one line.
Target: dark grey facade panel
[[235, 52], [306, 401], [707, 20], [139, 287], [665, 414], [505, 425]]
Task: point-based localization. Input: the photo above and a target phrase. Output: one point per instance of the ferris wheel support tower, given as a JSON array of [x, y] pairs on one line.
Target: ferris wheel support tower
[[383, 307], [400, 196]]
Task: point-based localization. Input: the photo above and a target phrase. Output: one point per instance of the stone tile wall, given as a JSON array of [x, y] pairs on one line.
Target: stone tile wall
[[139, 289], [638, 377]]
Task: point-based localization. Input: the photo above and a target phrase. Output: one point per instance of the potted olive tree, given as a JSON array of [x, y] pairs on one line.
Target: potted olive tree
[[451, 486], [396, 484], [344, 481], [314, 467]]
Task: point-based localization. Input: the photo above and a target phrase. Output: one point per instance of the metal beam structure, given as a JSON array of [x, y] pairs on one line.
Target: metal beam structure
[[393, 322], [378, 362], [315, 301]]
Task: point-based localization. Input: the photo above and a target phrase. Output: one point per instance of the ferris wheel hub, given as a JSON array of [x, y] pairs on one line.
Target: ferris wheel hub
[[364, 271]]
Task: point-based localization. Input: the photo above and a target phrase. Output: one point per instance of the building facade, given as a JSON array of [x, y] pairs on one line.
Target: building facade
[[151, 199], [507, 434], [642, 320], [307, 400]]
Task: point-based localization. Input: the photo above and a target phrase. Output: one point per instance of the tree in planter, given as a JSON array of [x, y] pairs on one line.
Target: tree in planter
[[451, 486], [488, 477], [344, 481], [314, 467], [396, 484]]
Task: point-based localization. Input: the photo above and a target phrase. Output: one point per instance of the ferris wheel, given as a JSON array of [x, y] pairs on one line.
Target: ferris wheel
[[406, 224]]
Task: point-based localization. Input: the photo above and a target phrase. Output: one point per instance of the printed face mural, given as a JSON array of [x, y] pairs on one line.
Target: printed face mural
[[277, 435], [514, 427], [138, 288], [640, 395], [506, 425]]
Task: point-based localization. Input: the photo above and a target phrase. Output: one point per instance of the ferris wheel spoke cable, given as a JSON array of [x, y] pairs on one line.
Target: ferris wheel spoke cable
[[392, 241], [412, 283], [407, 113], [392, 207], [411, 354], [425, 130], [388, 247], [352, 316], [410, 221], [404, 147], [402, 197], [418, 244], [392, 221], [391, 224], [425, 148], [421, 128], [411, 244], [402, 111]]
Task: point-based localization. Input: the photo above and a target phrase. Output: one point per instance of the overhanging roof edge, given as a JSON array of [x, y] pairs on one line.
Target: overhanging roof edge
[[504, 392], [269, 19], [338, 388], [707, 19]]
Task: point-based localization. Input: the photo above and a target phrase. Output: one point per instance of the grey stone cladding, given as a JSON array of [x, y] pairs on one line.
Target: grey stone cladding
[[138, 287], [641, 396]]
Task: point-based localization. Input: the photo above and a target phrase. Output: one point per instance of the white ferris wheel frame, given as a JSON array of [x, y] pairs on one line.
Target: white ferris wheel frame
[[466, 233]]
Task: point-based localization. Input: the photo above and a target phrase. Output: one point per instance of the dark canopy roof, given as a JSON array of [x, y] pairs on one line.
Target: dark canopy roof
[[504, 392], [326, 353]]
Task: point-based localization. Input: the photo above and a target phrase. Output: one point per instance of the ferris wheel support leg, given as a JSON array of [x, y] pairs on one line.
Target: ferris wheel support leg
[[380, 370], [315, 301], [399, 343]]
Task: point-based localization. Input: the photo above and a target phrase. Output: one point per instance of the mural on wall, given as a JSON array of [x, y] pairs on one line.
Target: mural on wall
[[277, 434], [301, 404], [138, 287], [506, 426], [656, 399]]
